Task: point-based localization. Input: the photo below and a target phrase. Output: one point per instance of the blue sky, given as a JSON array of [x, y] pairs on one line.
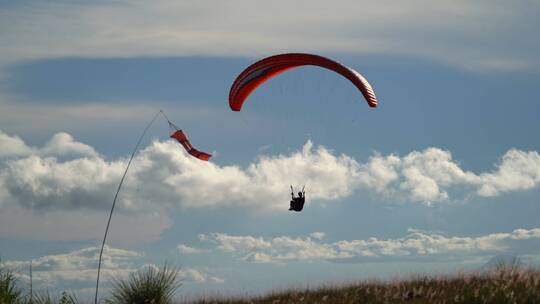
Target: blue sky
[[442, 176]]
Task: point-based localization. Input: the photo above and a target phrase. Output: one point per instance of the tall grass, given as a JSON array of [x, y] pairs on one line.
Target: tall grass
[[510, 284], [46, 298], [9, 291], [150, 285]]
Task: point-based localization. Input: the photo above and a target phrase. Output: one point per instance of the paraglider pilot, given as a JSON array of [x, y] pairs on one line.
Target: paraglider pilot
[[297, 203]]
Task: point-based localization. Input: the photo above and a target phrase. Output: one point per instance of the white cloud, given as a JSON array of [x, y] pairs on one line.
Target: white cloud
[[47, 183], [164, 175], [78, 269], [422, 176], [62, 144], [428, 176], [518, 170], [317, 235], [416, 246], [197, 276], [190, 275], [259, 250], [463, 33], [182, 248], [13, 146]]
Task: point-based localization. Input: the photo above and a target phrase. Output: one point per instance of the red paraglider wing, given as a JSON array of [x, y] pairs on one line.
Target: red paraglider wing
[[181, 137], [269, 67]]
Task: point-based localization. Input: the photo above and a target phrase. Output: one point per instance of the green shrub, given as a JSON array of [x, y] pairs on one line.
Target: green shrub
[[150, 285], [42, 298], [46, 298], [9, 292]]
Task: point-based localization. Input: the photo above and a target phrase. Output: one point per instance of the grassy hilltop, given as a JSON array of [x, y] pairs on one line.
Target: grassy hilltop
[[500, 286]]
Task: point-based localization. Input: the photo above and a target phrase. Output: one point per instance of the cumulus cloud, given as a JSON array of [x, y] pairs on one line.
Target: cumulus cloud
[[422, 176], [518, 170], [13, 146], [416, 246], [47, 183], [68, 175], [317, 235], [77, 269], [191, 275], [185, 249], [260, 250], [166, 173], [172, 28], [62, 144], [427, 176], [197, 276]]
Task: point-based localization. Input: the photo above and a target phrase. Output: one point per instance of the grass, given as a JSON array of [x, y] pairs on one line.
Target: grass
[[502, 285], [46, 298], [9, 290]]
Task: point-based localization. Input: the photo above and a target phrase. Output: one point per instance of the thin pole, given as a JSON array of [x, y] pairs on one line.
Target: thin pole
[[165, 116], [31, 291], [116, 196]]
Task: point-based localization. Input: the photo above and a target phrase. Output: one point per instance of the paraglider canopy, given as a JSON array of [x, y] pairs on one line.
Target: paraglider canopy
[[267, 68]]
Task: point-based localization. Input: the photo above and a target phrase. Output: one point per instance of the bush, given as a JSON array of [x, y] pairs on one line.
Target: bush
[[9, 292], [150, 285]]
